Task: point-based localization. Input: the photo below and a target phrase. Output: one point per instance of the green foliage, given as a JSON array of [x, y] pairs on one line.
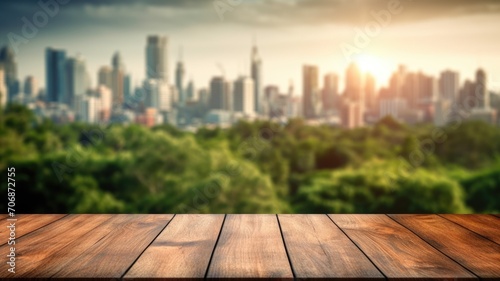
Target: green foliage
[[259, 167], [483, 190], [379, 187]]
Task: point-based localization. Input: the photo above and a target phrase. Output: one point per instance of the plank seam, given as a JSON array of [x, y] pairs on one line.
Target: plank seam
[[463, 226], [145, 248], [84, 234], [286, 249], [477, 276], [215, 247], [357, 246], [37, 228]]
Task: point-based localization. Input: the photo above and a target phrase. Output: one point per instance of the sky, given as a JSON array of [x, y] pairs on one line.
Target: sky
[[425, 35]]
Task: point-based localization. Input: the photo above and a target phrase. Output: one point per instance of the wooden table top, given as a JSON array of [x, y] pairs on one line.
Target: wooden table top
[[441, 247]]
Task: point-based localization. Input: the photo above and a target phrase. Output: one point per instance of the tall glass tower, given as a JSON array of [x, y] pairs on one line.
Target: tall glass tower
[[256, 72], [55, 62]]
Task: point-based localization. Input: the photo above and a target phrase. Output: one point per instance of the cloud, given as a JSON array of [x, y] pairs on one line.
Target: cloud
[[267, 13]]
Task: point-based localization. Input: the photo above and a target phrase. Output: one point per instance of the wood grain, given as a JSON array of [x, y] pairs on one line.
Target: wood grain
[[396, 251], [250, 247], [487, 226], [28, 223], [36, 250], [112, 256], [479, 255], [181, 251], [319, 249], [72, 251]]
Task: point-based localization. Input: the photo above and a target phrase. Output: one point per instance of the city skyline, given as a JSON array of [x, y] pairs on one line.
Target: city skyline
[[284, 45]]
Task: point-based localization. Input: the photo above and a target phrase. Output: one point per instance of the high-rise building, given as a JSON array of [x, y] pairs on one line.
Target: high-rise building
[[310, 91], [55, 71], [76, 80], [353, 100], [9, 65], [370, 93], [449, 83], [269, 100], [330, 94], [127, 87], [429, 89], [30, 87], [243, 97], [354, 84], [157, 58], [220, 94], [104, 103], [481, 90], [412, 89], [104, 76], [397, 82], [117, 77], [3, 90], [179, 82], [256, 73], [351, 114], [157, 95], [191, 91]]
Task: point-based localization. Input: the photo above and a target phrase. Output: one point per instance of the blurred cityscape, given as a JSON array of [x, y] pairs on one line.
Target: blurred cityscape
[[410, 97]]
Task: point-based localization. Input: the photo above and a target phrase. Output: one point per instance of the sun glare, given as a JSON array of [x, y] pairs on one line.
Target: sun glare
[[374, 65]]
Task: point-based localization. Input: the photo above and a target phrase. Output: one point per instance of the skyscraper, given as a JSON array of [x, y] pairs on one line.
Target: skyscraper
[[220, 94], [481, 91], [243, 95], [353, 100], [191, 91], [256, 72], [330, 93], [179, 82], [75, 80], [104, 76], [117, 76], [370, 93], [9, 65], [157, 58], [310, 91], [55, 71], [30, 87], [127, 87], [354, 84], [449, 83]]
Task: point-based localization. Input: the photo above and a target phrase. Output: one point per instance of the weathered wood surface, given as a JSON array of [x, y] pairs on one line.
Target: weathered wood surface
[[472, 251], [175, 247]]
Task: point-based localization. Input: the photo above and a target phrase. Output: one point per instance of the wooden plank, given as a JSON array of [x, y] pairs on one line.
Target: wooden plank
[[487, 226], [479, 255], [29, 223], [114, 254], [250, 247], [61, 258], [35, 250], [181, 251], [319, 249], [396, 251]]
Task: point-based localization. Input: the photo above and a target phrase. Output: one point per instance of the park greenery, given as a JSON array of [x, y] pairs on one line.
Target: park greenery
[[252, 167]]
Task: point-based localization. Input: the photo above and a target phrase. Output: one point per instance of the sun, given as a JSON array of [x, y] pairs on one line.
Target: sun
[[375, 66]]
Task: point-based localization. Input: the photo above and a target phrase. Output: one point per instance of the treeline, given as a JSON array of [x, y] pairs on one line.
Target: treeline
[[259, 167]]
